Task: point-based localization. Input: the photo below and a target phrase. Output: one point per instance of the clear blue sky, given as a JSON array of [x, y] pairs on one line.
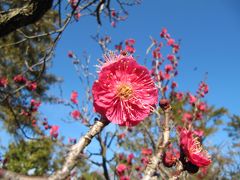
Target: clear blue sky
[[210, 34]]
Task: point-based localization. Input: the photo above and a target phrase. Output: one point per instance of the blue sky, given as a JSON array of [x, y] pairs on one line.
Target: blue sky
[[210, 34]]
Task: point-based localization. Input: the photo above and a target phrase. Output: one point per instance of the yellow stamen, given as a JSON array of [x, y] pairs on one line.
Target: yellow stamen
[[124, 91]]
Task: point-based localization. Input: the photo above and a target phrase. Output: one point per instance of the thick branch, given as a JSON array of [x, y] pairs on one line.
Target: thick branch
[[77, 149], [180, 169], [151, 168], [29, 13]]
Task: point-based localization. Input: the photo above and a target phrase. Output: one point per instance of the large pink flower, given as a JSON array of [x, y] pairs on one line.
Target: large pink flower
[[124, 92], [193, 150]]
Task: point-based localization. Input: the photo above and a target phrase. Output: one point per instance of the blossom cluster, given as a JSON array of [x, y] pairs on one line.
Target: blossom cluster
[[126, 47], [189, 150], [126, 165], [19, 80]]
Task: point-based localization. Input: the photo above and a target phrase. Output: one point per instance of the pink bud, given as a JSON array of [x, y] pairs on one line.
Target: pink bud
[[170, 42], [3, 82], [54, 131]]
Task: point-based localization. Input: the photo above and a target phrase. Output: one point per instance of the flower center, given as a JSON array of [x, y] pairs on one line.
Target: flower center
[[124, 91], [196, 147]]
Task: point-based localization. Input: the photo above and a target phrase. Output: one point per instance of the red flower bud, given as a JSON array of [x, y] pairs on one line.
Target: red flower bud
[[164, 104], [20, 79], [3, 82]]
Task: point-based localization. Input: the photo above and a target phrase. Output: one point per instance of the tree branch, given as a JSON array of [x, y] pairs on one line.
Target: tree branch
[[151, 168], [77, 149], [5, 174], [18, 17], [103, 154]]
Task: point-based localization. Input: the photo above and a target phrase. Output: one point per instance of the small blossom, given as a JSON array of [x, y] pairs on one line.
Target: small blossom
[[168, 68], [174, 85], [73, 3], [170, 42], [171, 57], [25, 113], [130, 42], [192, 99], [31, 86], [138, 168], [146, 151], [129, 158], [34, 122], [77, 16], [198, 116], [144, 160], [129, 45], [176, 48], [44, 122], [118, 47], [113, 24], [187, 117], [130, 49], [70, 54], [165, 88], [202, 106], [54, 131], [163, 32], [124, 53], [203, 89], [35, 103], [74, 96], [164, 104], [113, 13], [120, 169], [179, 96], [170, 157], [161, 76], [3, 82], [20, 79], [122, 135], [156, 54], [76, 114], [167, 76], [121, 157]]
